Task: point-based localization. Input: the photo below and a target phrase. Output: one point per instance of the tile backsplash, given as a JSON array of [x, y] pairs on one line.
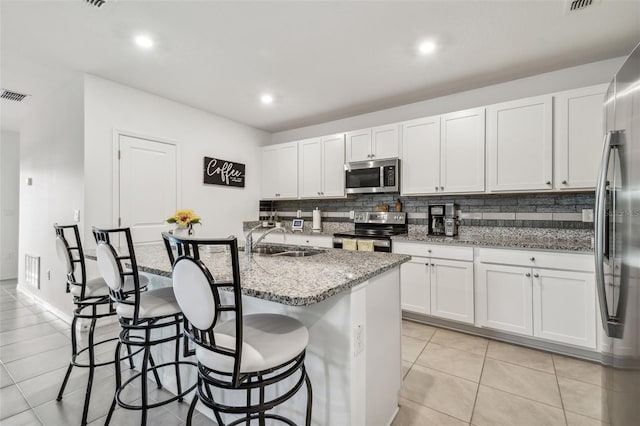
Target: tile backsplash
[[543, 210]]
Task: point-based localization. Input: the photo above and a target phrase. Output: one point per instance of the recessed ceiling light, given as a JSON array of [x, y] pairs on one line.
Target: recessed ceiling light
[[426, 47], [144, 41], [266, 99]]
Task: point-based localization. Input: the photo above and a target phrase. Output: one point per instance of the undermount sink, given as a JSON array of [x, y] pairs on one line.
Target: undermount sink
[[287, 252]]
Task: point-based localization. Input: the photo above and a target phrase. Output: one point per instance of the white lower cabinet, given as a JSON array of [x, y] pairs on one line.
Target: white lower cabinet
[[503, 298], [415, 295], [533, 298], [434, 286], [452, 289], [564, 307]]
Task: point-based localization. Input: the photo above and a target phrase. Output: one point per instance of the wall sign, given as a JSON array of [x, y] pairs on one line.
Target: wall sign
[[223, 172]]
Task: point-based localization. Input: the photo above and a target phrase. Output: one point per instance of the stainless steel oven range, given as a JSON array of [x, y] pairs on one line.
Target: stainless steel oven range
[[378, 227]]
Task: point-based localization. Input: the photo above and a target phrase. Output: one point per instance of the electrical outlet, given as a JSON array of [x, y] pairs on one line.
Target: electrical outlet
[[358, 339], [587, 215], [76, 215], [351, 214]]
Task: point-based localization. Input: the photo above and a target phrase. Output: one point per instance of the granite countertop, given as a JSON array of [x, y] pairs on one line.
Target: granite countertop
[[328, 228], [567, 240], [296, 281]]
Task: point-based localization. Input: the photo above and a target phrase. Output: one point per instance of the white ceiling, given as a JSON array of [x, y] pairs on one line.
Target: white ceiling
[[321, 60]]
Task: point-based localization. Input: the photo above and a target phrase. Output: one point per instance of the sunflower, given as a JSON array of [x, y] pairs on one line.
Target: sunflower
[[184, 217]]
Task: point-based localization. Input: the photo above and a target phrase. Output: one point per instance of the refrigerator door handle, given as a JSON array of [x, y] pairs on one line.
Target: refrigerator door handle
[[612, 326]]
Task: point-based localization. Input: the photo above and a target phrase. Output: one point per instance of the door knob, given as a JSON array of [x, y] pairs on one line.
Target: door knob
[[536, 275], [532, 258], [442, 188], [527, 275], [564, 182], [436, 188]]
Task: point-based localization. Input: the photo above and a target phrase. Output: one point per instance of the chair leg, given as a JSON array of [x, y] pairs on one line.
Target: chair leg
[[143, 376], [177, 357], [155, 372], [130, 354], [261, 418], [91, 351], [309, 398], [73, 356], [192, 408], [118, 383]]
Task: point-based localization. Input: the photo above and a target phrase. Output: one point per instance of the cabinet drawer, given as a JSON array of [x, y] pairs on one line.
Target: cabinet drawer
[[538, 259], [434, 251]]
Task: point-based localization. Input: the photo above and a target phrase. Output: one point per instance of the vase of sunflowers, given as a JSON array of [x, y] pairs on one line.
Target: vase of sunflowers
[[184, 220]]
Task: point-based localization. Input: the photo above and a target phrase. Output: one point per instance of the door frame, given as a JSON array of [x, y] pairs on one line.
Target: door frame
[[115, 178]]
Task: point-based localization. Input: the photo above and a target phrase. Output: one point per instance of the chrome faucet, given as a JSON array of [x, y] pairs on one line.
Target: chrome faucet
[[249, 244]]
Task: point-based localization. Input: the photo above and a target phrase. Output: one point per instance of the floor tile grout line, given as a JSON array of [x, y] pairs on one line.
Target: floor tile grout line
[[475, 400], [524, 397], [34, 338], [564, 412], [435, 409]]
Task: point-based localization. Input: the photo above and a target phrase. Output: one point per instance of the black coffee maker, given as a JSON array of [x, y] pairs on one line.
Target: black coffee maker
[[443, 220]]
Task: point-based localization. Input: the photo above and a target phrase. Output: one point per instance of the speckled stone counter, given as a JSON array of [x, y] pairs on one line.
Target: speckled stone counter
[[570, 240], [287, 280], [328, 228]]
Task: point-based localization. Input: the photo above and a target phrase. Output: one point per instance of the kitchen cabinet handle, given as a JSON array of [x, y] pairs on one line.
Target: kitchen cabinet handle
[[536, 275], [527, 275], [429, 251], [436, 188], [564, 182], [548, 182], [532, 258], [442, 188]]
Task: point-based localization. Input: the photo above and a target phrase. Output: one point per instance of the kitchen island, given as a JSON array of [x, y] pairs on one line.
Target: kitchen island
[[349, 301]]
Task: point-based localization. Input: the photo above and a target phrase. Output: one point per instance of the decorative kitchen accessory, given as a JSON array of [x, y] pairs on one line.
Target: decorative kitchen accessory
[[382, 208], [184, 220], [317, 220], [398, 205], [296, 225]]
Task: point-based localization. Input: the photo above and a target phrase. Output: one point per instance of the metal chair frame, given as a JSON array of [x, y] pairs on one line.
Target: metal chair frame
[[76, 260], [128, 268], [188, 250]]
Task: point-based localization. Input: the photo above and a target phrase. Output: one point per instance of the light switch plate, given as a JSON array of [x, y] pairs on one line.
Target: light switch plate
[[76, 215], [587, 215]]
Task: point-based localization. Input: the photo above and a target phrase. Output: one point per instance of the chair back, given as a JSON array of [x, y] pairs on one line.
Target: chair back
[[198, 293], [118, 265], [69, 251]]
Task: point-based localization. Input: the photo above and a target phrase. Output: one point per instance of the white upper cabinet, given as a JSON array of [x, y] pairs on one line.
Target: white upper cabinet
[[462, 151], [444, 154], [578, 133], [333, 166], [310, 167], [519, 145], [373, 144], [420, 165], [321, 167], [280, 171]]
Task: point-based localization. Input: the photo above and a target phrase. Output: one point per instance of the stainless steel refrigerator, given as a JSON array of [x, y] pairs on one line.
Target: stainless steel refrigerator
[[617, 245]]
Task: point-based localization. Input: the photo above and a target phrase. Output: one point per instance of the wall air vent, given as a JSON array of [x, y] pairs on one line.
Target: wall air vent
[[575, 5], [12, 96], [96, 3]]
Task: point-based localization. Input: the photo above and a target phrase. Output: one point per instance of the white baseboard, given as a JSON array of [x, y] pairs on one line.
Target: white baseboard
[[63, 315]]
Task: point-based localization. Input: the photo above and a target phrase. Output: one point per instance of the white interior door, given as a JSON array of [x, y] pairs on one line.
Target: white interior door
[[147, 186]]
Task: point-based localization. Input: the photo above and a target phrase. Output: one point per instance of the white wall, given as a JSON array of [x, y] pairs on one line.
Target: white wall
[[9, 199], [565, 79], [111, 107], [51, 154]]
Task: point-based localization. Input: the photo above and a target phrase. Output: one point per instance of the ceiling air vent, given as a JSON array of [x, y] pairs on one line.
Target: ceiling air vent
[[96, 3], [574, 5], [12, 96]]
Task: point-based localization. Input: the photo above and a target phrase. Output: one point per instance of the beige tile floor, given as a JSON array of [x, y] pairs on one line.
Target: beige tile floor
[[453, 378], [449, 378]]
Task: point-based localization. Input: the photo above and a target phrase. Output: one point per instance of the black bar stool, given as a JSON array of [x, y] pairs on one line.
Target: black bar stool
[[235, 352], [92, 302], [140, 314]]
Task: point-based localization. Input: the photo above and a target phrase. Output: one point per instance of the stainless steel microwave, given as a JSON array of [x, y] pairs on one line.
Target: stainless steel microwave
[[364, 177]]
